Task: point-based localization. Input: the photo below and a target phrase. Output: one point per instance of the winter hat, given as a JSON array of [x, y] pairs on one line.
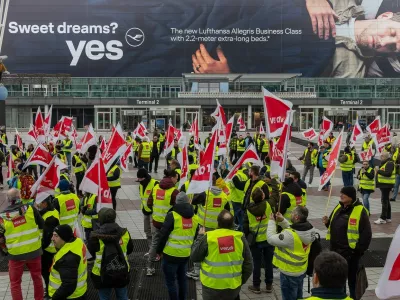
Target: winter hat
[[63, 185], [349, 191], [64, 232], [107, 215], [142, 173], [182, 198]]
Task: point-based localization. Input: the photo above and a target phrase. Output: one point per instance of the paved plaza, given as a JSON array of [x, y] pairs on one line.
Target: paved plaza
[[130, 216]]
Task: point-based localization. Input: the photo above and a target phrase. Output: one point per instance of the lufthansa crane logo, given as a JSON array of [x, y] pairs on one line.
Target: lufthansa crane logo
[[134, 37]]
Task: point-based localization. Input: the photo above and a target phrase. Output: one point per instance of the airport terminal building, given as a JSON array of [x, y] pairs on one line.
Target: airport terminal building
[[129, 100]]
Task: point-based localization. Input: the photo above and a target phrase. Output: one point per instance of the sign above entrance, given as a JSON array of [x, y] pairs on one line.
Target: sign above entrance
[[351, 103], [148, 102]]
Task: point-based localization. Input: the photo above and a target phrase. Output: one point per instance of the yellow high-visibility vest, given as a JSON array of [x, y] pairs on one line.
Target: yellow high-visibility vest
[[69, 208], [215, 204], [51, 213], [260, 224], [161, 203], [117, 182], [87, 220], [145, 194], [387, 180]]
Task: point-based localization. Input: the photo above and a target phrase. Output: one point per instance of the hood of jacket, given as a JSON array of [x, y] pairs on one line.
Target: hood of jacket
[[305, 231], [14, 211], [215, 190], [258, 209], [166, 183], [109, 232], [145, 181], [293, 188], [184, 209]]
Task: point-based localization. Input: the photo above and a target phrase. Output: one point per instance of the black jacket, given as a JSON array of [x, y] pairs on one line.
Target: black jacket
[[106, 232], [328, 293], [339, 242], [144, 184], [67, 266], [291, 187], [48, 227], [186, 211], [387, 173]]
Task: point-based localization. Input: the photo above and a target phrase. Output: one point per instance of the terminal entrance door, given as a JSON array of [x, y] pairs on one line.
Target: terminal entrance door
[[306, 119]]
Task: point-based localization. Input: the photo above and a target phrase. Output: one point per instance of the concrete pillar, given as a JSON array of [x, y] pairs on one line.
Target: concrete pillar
[[96, 120], [114, 116], [383, 116], [200, 119], [182, 115], [46, 109], [249, 117], [316, 118]]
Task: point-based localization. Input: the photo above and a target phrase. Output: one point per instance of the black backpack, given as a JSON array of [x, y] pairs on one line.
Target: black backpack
[[114, 268], [316, 249]]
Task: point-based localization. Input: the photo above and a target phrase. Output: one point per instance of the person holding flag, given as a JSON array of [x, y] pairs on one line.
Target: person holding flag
[[349, 232], [322, 163], [207, 140], [67, 145], [369, 143], [346, 165], [366, 175], [174, 153], [192, 151], [330, 139], [114, 181], [396, 160]]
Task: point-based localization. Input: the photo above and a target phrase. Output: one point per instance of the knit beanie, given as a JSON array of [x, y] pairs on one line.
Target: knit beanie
[[63, 185], [64, 232], [107, 215], [349, 191], [182, 198]]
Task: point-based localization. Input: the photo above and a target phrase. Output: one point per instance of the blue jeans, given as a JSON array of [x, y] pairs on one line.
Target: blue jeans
[[262, 251], [121, 293], [239, 214], [321, 172], [396, 187], [365, 197], [292, 287], [347, 177], [175, 273]]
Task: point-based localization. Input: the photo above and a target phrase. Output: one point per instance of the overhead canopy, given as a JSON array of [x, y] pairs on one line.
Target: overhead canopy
[[267, 77]]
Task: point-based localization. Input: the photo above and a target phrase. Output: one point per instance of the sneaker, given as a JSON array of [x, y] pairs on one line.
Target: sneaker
[[389, 220], [268, 288], [393, 200], [254, 289], [150, 271], [380, 221], [192, 274]]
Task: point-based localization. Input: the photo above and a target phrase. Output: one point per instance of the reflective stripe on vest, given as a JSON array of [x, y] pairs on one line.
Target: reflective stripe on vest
[[146, 150], [365, 182], [114, 183], [86, 219], [387, 180], [255, 224], [265, 147], [22, 234], [82, 167], [77, 247], [144, 195], [215, 204], [51, 213], [237, 196], [161, 203], [352, 228], [317, 298], [123, 242], [259, 184], [69, 208], [222, 267], [241, 146], [181, 238], [66, 144], [292, 261], [348, 165]]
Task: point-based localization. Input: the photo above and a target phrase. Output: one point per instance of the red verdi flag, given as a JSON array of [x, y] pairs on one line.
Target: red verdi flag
[[169, 141], [103, 145], [356, 134], [219, 113], [115, 147], [19, 140], [375, 125], [275, 110], [183, 160], [240, 122], [279, 150], [88, 139], [309, 134], [249, 156], [32, 132], [10, 167], [326, 128], [389, 282], [39, 156], [332, 162], [124, 157], [39, 126], [366, 155], [202, 178], [47, 121], [262, 130]]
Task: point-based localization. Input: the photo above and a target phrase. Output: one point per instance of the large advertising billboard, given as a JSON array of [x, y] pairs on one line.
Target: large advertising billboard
[[162, 38]]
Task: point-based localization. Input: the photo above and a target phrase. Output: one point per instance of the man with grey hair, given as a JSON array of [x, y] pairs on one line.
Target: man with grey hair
[[385, 181], [292, 247]]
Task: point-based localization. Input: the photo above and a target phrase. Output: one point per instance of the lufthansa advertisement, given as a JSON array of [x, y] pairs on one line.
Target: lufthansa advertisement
[[165, 38]]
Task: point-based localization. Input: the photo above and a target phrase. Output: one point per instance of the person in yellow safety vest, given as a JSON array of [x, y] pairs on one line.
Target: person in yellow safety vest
[[161, 138], [366, 176], [32, 169], [89, 213], [161, 200], [79, 164], [302, 185], [135, 149], [255, 224], [396, 160], [192, 165], [355, 160], [241, 147], [192, 149], [156, 150], [267, 166], [220, 183], [329, 279], [237, 195], [292, 247], [63, 176], [322, 163], [114, 182], [207, 140], [144, 153], [225, 258], [369, 143], [385, 181], [146, 185], [15, 153], [67, 204], [68, 274], [3, 140], [174, 165], [129, 138], [330, 139], [216, 156], [22, 224], [309, 160], [177, 236], [104, 240], [59, 153], [349, 232], [67, 145], [346, 165], [252, 183], [51, 219], [174, 153], [263, 147]]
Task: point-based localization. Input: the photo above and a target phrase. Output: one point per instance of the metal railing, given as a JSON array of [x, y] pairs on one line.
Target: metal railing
[[286, 95]]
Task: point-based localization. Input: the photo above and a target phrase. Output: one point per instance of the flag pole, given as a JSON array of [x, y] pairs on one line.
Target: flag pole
[[330, 193]]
